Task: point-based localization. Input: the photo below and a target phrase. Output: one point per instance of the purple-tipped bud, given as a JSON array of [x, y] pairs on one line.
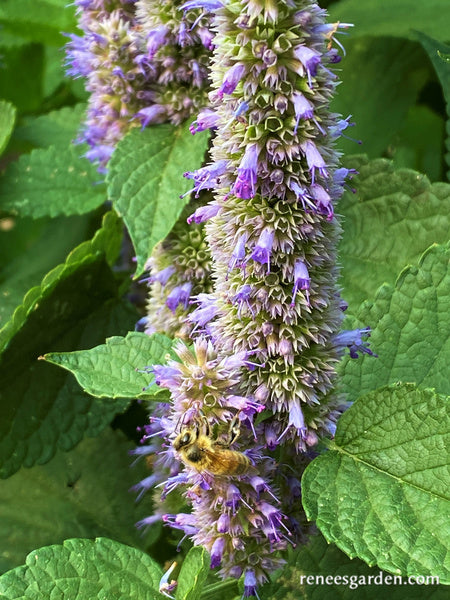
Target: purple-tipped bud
[[310, 60], [155, 39], [314, 159], [204, 213], [152, 114], [302, 280], [250, 583], [217, 552], [166, 376], [323, 201], [231, 79], [302, 107], [206, 178], [162, 277], [223, 523], [206, 119], [233, 497], [238, 254], [262, 251], [245, 184], [179, 295]]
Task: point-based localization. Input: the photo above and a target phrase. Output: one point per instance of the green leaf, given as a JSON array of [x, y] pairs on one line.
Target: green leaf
[[437, 51], [25, 92], [56, 128], [114, 369], [193, 574], [411, 330], [418, 144], [378, 111], [7, 120], [84, 569], [382, 491], [309, 566], [38, 20], [81, 493], [75, 306], [391, 220], [51, 182], [30, 249], [145, 177], [395, 18]]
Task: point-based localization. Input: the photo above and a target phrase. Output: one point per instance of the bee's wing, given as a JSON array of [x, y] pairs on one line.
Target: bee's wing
[[220, 458]]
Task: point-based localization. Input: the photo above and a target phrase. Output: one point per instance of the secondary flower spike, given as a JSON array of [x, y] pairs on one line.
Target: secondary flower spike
[[144, 62]]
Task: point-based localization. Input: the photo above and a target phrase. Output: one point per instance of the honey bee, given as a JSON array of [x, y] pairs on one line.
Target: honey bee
[[199, 450]]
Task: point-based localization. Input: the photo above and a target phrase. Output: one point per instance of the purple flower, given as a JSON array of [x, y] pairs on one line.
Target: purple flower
[[179, 295], [302, 107], [162, 277], [296, 419], [310, 60], [206, 119], [155, 39], [231, 79], [238, 254], [152, 114], [242, 297], [207, 177], [302, 280], [204, 213], [223, 523], [314, 159], [166, 376], [217, 552], [353, 340], [207, 5], [262, 250], [323, 201], [250, 583], [244, 186], [206, 312]]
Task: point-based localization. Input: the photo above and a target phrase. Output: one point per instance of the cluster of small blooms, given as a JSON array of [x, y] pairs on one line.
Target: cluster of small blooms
[[269, 340], [180, 276], [236, 518], [143, 62]]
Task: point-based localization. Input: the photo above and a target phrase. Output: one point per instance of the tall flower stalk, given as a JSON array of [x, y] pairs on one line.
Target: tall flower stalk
[[264, 363]]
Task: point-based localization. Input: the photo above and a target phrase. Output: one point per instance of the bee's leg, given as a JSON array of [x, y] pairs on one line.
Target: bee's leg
[[206, 427], [234, 430]]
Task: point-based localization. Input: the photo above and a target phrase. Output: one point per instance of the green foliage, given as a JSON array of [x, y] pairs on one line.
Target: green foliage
[[7, 120], [395, 18], [418, 143], [55, 128], [29, 250], [101, 569], [51, 182], [352, 578], [391, 220], [411, 330], [193, 574], [81, 493], [437, 51], [145, 182], [114, 369], [75, 305], [25, 92], [400, 69], [38, 20], [381, 493]]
